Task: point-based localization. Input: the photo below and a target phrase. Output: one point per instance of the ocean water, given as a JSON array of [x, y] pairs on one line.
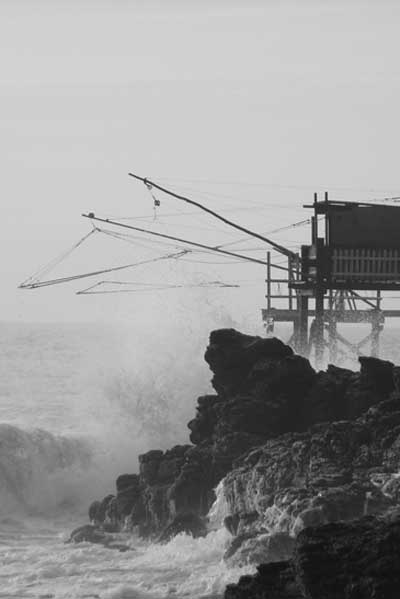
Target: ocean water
[[78, 403]]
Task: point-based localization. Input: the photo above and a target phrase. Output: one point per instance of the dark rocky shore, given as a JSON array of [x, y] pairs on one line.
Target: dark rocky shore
[[309, 466]]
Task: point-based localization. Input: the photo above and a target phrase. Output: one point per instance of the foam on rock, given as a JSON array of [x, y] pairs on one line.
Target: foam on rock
[[289, 441]]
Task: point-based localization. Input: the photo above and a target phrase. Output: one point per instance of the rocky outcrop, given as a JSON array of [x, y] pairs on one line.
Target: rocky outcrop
[[335, 471], [89, 533], [187, 523], [356, 560], [360, 559], [250, 548], [264, 394], [275, 580]]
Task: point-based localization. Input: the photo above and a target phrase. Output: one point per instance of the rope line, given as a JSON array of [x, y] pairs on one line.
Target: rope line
[[55, 261], [151, 287], [278, 247], [335, 187], [60, 280], [185, 241], [294, 225]]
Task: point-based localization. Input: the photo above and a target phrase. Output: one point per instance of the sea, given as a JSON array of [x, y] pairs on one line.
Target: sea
[[78, 403]]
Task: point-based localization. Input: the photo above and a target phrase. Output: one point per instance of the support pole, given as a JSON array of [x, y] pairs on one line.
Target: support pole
[[319, 290], [376, 327], [319, 325], [332, 329], [303, 326], [302, 300], [268, 280]]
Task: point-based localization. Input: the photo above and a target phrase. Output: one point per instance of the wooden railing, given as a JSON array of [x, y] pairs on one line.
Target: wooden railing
[[365, 264]]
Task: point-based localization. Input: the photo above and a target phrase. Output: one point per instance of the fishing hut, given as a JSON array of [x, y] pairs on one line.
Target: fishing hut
[[339, 278], [353, 257]]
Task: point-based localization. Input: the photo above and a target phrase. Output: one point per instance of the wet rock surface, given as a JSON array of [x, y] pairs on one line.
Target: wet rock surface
[[272, 581], [334, 471], [258, 548], [90, 533], [295, 448], [343, 560], [189, 524]]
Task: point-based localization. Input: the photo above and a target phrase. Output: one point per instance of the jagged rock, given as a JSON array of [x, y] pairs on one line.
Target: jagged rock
[[129, 496], [332, 472], [94, 509], [202, 427], [325, 400], [272, 581], [189, 524], [396, 379], [192, 491], [159, 473], [343, 560], [272, 400], [102, 511], [87, 533], [259, 548], [350, 560], [149, 464], [231, 356], [391, 488], [377, 374]]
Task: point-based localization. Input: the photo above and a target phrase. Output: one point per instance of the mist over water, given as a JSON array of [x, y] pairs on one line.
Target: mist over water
[[79, 403]]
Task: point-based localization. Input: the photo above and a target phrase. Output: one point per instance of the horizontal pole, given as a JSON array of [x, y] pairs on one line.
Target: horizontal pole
[[277, 280], [92, 217], [350, 285], [280, 296], [350, 316]]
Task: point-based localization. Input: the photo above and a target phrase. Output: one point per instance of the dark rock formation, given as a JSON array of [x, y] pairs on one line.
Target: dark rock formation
[[359, 559], [266, 394], [356, 560], [94, 509], [190, 524], [89, 533], [273, 581], [258, 548], [103, 513], [232, 357], [334, 471], [159, 473], [129, 500]]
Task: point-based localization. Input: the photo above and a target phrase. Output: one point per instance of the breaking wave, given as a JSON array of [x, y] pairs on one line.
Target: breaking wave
[[39, 471]]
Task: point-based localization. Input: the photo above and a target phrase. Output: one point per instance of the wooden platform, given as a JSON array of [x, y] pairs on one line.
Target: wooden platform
[[348, 316]]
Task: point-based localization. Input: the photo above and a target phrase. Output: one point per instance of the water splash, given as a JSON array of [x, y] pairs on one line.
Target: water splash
[[38, 564], [38, 470], [219, 509]]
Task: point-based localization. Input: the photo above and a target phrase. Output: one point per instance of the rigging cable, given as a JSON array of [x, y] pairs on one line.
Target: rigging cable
[[38, 284], [292, 226], [278, 247], [180, 240], [334, 187], [150, 287], [50, 265]]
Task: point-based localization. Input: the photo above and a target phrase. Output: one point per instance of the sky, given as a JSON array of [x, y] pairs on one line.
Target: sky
[[247, 106]]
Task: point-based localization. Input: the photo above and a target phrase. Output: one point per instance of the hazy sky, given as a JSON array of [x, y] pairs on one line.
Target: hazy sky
[[277, 92]]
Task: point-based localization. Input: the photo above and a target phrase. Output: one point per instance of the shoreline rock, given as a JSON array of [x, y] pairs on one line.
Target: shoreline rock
[[294, 448], [334, 471], [341, 560]]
